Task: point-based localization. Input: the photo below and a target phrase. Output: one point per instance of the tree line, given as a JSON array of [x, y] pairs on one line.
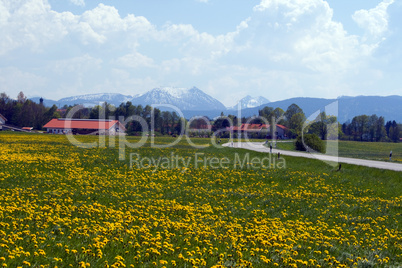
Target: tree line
[[24, 112], [371, 128], [294, 119]]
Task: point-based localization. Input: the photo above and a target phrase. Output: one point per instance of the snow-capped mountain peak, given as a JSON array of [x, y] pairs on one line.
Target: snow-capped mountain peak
[[184, 98], [250, 102], [176, 92]]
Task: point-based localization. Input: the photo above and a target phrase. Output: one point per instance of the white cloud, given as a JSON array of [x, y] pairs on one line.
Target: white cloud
[[293, 47], [375, 20], [135, 60], [303, 35], [296, 47], [78, 65], [106, 20], [103, 19], [32, 24], [13, 80], [191, 42], [78, 2], [125, 82], [4, 14], [191, 66]]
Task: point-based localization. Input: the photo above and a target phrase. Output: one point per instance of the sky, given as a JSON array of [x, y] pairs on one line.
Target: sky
[[277, 49]]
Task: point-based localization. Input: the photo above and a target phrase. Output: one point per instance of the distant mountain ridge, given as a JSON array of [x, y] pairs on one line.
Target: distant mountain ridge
[[94, 99], [183, 98], [194, 102], [87, 99], [390, 107]]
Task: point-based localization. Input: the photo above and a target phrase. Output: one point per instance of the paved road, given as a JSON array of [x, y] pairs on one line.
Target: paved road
[[332, 160]]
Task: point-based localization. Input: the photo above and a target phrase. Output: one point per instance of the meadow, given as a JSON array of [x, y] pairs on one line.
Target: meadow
[[364, 150], [66, 206]]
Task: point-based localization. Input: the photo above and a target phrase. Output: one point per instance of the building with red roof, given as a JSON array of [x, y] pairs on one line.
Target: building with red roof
[[261, 129], [2, 121], [84, 126]]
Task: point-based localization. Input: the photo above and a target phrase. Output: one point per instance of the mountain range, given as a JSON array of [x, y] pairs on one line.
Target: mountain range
[[184, 98], [194, 102]]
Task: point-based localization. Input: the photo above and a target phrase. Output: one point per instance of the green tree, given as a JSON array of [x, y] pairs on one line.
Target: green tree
[[51, 113], [121, 112], [394, 132], [292, 110], [359, 127], [267, 113], [180, 125], [308, 142], [158, 121], [296, 124], [278, 113], [96, 112], [220, 124], [324, 125], [380, 129]]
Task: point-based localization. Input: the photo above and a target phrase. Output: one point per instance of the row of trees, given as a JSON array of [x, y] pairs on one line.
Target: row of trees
[[371, 128], [295, 120], [361, 128], [26, 113]]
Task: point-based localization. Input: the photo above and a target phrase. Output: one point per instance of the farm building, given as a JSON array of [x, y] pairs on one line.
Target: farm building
[[261, 129], [2, 121], [85, 126], [27, 128]]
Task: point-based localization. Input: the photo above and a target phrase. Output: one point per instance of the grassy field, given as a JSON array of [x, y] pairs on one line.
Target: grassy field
[[65, 206], [364, 150]]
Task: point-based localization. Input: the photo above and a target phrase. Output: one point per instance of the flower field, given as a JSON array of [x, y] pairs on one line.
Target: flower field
[[65, 206]]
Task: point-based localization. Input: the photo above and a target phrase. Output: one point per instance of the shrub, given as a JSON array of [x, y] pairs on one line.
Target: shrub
[[311, 141]]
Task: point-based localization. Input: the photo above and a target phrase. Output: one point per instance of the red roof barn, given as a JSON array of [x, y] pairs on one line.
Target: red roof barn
[[84, 126], [258, 128]]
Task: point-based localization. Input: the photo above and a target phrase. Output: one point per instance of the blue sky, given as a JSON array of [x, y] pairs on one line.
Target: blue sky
[[228, 48]]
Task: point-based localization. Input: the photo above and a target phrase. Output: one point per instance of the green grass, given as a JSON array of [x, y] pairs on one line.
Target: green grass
[[286, 145], [363, 150], [61, 205], [370, 150]]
